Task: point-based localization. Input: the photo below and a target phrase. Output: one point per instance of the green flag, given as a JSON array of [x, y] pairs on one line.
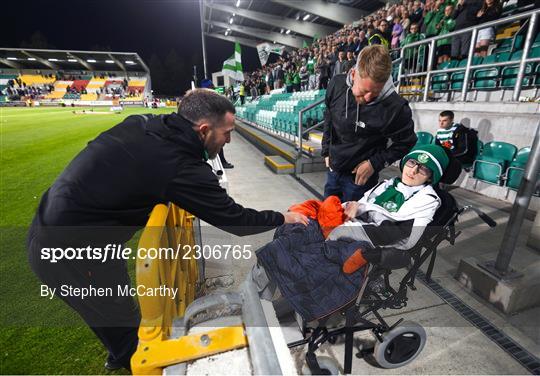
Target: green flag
[[305, 44], [232, 67]]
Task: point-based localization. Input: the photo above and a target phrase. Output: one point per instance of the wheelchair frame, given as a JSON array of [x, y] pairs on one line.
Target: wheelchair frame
[[355, 320]]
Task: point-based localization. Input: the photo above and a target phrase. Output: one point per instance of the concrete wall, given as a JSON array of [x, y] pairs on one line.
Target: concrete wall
[[509, 122]]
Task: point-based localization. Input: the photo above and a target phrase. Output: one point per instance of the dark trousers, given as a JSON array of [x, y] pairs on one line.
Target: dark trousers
[[343, 186], [114, 319], [460, 45]]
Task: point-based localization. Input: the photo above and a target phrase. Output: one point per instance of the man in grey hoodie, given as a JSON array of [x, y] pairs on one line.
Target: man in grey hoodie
[[367, 125]]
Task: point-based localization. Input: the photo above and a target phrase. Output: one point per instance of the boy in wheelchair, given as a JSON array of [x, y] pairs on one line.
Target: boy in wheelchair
[[322, 270]]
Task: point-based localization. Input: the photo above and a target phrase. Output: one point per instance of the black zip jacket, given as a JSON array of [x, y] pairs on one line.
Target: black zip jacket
[[386, 119], [108, 191]]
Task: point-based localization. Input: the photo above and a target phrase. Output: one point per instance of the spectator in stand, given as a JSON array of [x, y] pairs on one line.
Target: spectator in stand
[[269, 80], [432, 18], [362, 42], [288, 81], [413, 56], [460, 140], [324, 68], [242, 92], [446, 25], [417, 13], [296, 80], [397, 31], [338, 67], [349, 63], [405, 21], [381, 35], [304, 78], [465, 15], [490, 11]]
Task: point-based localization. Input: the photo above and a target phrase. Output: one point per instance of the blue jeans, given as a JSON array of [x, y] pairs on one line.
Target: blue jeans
[[342, 185]]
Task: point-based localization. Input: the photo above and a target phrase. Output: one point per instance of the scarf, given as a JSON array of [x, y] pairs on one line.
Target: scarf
[[395, 195]]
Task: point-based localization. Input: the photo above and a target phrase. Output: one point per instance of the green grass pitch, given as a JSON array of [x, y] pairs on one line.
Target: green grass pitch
[[35, 146]]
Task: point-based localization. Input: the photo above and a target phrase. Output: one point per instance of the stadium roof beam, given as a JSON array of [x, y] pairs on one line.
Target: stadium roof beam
[[41, 60], [243, 41], [10, 63], [271, 36], [306, 28], [333, 12], [117, 62], [81, 61]]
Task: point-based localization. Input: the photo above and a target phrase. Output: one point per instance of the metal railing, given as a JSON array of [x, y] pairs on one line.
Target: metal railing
[[301, 130], [430, 44]]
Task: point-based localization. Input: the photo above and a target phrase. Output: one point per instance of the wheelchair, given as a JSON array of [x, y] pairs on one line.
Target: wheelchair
[[397, 344]]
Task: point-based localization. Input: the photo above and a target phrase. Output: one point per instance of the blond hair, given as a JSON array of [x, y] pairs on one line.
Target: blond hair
[[374, 62]]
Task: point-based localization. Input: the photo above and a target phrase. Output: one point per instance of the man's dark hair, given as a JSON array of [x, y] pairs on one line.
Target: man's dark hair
[[448, 114], [199, 104]]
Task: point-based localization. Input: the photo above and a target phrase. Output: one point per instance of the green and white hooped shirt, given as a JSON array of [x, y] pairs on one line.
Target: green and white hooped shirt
[[445, 136]]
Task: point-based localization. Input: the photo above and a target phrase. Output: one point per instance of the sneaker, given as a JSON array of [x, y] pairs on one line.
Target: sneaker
[[228, 165], [112, 366]]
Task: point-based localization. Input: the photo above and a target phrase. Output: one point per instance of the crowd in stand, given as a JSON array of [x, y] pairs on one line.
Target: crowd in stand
[[394, 26], [16, 89]]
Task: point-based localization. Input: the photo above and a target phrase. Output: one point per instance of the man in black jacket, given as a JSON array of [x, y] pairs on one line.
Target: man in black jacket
[[465, 16], [363, 114], [107, 192]]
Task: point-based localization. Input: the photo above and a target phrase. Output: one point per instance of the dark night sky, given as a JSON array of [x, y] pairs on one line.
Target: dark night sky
[[144, 26]]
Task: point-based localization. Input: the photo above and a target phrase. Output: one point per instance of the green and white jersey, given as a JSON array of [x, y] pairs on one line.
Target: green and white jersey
[[446, 136]]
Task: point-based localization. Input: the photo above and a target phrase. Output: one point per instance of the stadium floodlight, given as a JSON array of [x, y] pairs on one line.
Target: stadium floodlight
[[231, 20], [12, 58], [109, 61], [288, 32], [281, 31], [237, 3], [305, 18], [234, 14], [52, 59], [72, 60], [31, 59], [131, 62], [90, 60]]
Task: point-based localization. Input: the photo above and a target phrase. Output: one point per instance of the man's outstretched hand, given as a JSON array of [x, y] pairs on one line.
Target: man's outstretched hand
[[292, 217]]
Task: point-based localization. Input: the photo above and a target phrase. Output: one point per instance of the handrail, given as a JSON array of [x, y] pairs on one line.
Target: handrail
[[428, 73], [300, 130], [470, 29]]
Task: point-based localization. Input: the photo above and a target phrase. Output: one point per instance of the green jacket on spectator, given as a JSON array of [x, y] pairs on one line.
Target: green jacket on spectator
[[296, 78], [431, 20], [311, 66], [288, 78], [411, 38], [448, 25]]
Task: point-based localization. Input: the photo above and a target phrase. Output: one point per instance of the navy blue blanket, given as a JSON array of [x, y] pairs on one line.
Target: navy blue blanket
[[308, 270]]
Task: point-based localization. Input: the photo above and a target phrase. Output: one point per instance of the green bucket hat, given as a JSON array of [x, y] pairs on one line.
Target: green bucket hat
[[432, 156]]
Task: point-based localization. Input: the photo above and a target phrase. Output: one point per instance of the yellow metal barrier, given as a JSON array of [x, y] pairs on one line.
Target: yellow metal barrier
[[170, 230]]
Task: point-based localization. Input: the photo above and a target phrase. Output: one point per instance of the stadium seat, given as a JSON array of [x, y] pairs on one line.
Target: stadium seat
[[485, 79], [514, 173], [439, 82], [496, 156], [456, 78], [424, 138], [509, 73]]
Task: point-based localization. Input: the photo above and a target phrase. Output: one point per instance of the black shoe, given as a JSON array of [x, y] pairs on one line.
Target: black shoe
[[228, 165], [112, 366]]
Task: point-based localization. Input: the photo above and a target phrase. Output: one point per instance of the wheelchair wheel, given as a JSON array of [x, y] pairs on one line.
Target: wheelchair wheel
[[400, 346], [328, 367]]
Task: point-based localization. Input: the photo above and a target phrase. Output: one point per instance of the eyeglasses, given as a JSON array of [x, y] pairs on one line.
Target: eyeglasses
[[422, 170]]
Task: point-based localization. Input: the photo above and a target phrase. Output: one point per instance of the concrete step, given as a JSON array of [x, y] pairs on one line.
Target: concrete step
[[316, 137], [272, 145], [278, 164]]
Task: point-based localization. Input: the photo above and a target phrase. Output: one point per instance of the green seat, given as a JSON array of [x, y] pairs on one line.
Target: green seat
[[486, 78], [495, 157], [457, 78], [439, 82], [514, 173], [424, 138], [509, 73]]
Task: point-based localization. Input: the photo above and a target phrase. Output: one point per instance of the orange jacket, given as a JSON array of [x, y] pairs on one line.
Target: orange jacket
[[329, 213]]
